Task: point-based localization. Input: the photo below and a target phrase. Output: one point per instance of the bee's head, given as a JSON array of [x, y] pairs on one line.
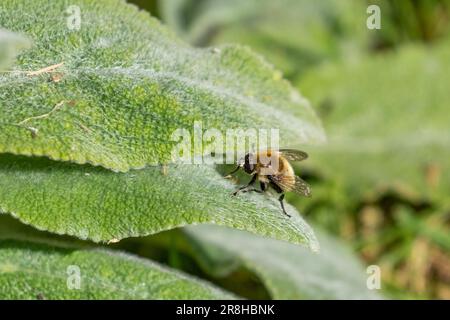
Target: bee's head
[[247, 163]]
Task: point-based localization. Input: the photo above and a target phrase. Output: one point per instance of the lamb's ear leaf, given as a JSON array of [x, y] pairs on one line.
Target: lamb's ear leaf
[[119, 85], [288, 271], [30, 270], [121, 92], [101, 205]]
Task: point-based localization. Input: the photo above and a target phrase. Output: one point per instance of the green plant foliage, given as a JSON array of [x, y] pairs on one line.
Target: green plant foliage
[[388, 122], [411, 20], [288, 271], [10, 45], [411, 247], [147, 5], [127, 83], [293, 34], [97, 204], [40, 271], [87, 117]]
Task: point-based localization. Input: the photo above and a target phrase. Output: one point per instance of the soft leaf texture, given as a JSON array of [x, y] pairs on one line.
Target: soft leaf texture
[[39, 271], [388, 122], [288, 271], [97, 204], [124, 84], [10, 45], [292, 34]]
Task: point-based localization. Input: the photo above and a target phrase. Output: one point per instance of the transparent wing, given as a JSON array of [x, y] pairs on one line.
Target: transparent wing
[[293, 155], [293, 184]]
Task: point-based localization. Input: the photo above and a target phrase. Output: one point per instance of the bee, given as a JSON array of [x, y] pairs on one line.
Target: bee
[[272, 169]]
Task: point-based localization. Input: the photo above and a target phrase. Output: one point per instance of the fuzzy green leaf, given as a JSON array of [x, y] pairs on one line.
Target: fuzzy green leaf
[[98, 204], [288, 271], [127, 83], [39, 271]]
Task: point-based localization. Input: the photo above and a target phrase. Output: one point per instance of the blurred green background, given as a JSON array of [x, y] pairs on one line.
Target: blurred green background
[[382, 182]]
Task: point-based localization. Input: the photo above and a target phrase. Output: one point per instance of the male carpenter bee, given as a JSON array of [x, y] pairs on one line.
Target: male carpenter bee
[[272, 168]]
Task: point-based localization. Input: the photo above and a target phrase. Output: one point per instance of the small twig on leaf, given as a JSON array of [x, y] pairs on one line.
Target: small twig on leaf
[[45, 70], [43, 116]]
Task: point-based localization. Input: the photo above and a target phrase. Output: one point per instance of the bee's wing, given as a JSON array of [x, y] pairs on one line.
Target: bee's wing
[[299, 186], [293, 155]]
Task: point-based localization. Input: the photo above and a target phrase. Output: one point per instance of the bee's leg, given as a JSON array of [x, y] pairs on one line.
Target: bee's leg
[[263, 188], [250, 190], [282, 205], [246, 186], [279, 190]]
